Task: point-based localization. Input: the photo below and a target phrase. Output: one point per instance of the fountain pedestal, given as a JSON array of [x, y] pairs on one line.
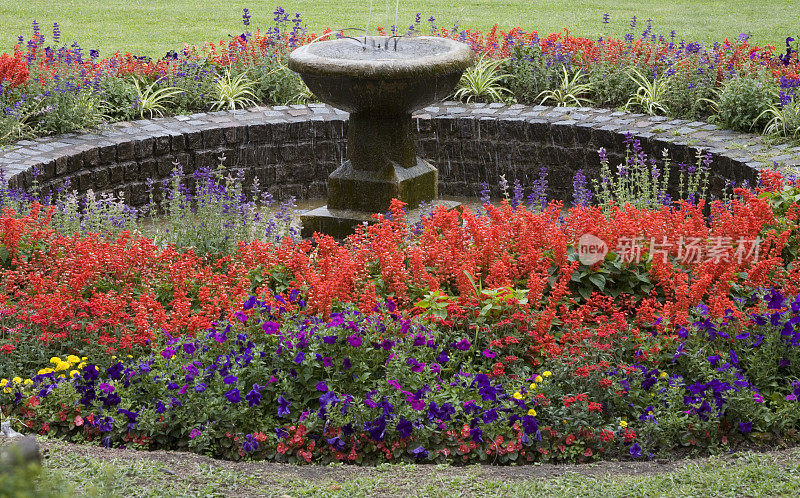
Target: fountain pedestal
[[380, 88]]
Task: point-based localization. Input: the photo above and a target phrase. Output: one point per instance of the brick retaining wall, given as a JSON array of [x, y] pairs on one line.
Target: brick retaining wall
[[293, 149]]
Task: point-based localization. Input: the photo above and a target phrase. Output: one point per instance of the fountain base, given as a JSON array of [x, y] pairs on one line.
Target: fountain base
[[340, 223]]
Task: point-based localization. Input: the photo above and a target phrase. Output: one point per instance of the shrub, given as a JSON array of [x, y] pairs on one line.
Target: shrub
[[743, 100], [530, 74], [65, 111], [120, 99], [611, 86]]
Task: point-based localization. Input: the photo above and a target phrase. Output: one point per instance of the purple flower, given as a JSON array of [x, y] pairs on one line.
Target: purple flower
[[254, 396], [329, 339], [489, 353], [230, 379], [346, 364], [419, 452], [337, 443], [105, 424], [241, 316], [250, 444], [746, 427], [194, 434], [283, 406], [462, 345], [490, 416], [300, 357], [200, 387], [404, 427], [168, 353], [189, 348], [322, 386], [529, 424], [270, 328], [636, 450], [233, 395], [355, 341], [442, 358], [416, 366]]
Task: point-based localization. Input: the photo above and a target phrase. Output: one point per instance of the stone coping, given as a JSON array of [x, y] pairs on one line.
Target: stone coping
[[292, 149]]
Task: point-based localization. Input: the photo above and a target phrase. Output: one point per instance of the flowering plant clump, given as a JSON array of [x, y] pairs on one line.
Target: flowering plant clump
[[491, 336], [48, 87]]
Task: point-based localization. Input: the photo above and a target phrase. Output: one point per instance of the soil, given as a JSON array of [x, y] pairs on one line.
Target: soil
[[185, 464]]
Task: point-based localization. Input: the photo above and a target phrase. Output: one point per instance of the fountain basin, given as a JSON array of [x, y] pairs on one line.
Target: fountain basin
[[380, 87]]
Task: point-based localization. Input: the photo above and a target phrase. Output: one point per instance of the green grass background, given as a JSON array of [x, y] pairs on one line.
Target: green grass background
[[152, 27]]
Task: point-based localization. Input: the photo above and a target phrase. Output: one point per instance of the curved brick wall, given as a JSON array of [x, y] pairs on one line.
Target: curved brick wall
[[292, 150]]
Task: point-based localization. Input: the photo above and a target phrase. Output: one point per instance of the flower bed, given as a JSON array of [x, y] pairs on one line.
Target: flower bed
[[48, 88], [468, 337]]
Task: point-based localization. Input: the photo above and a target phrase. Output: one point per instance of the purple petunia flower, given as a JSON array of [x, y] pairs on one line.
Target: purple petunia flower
[[230, 379], [636, 450], [462, 345], [355, 341], [254, 396], [250, 444], [283, 406], [322, 386], [270, 328], [233, 395], [420, 452], [300, 357]]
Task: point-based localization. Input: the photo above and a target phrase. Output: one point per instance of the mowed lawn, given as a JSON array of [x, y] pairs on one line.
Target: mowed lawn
[[152, 27]]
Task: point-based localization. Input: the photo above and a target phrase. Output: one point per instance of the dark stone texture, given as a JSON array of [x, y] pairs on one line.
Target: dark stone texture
[[296, 158]]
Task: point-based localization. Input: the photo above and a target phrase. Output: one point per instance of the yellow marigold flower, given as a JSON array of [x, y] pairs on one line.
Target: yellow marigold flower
[[27, 382], [62, 366], [518, 395], [73, 373], [130, 356], [538, 378], [62, 376], [55, 359], [547, 373], [3, 382], [73, 359], [45, 371], [663, 375], [7, 390], [16, 380], [623, 424], [533, 386], [532, 412], [81, 365], [83, 358]]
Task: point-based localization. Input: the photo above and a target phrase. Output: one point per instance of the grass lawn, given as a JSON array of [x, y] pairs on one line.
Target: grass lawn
[[96, 471], [148, 27]]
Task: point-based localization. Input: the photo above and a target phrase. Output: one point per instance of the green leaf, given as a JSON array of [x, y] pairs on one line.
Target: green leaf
[[598, 280]]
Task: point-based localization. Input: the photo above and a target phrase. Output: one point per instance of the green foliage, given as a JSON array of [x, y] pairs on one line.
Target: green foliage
[[571, 91], [784, 121], [483, 82], [20, 123], [650, 94], [529, 74], [689, 94], [744, 100], [63, 112], [214, 218], [154, 99], [120, 99], [276, 84], [234, 92], [611, 85]]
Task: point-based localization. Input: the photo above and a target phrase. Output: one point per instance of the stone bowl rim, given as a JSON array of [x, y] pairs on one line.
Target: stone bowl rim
[[456, 58]]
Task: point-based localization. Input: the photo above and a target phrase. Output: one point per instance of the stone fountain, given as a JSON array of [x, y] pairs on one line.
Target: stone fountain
[[380, 81]]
